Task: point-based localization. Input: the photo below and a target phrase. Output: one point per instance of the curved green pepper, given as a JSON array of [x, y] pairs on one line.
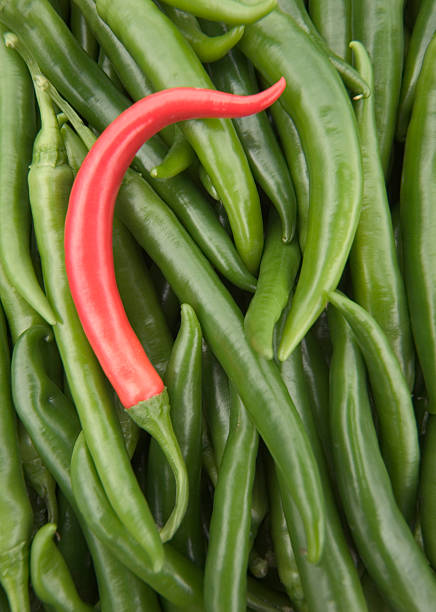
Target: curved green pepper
[[383, 539], [393, 403], [324, 118], [50, 575], [183, 381], [17, 116], [15, 508], [375, 274], [208, 48], [418, 221]]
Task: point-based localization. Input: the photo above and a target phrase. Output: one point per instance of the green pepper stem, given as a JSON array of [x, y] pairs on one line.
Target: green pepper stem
[[153, 415]]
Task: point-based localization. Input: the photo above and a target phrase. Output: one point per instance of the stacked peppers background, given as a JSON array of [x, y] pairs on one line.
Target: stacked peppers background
[[278, 269]]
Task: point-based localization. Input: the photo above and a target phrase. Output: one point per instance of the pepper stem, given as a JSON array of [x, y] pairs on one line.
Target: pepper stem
[[153, 415]]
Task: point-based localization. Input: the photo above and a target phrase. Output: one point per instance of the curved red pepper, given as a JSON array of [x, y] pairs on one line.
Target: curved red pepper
[[88, 228]]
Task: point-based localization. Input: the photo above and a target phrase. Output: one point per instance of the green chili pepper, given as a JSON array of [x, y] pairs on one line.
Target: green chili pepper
[[285, 558], [296, 9], [229, 532], [228, 11], [15, 509], [183, 381], [257, 380], [179, 581], [260, 598], [296, 160], [140, 299], [50, 180], [51, 578], [216, 402], [108, 68], [74, 549], [53, 425], [423, 30], [167, 298], [418, 220], [81, 30], [37, 474], [179, 157], [17, 116], [208, 48], [236, 75], [169, 61], [278, 270], [19, 314], [398, 430], [375, 274], [332, 19], [315, 104], [386, 545], [427, 491], [316, 373], [379, 26], [333, 583]]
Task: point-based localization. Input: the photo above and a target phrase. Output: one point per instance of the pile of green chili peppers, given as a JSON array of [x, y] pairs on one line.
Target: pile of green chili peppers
[[280, 273]]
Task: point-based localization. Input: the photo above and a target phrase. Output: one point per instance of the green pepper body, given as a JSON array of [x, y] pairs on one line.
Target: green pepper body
[[15, 508], [324, 119], [418, 221], [229, 537], [379, 26], [18, 118], [383, 539]]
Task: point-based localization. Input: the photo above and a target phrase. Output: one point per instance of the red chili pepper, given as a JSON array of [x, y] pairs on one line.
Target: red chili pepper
[[88, 228]]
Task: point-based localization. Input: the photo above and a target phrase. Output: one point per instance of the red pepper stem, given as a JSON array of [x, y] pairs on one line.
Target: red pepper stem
[[153, 415]]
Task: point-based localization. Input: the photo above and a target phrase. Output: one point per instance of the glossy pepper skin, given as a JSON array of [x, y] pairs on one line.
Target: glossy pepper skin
[[333, 583], [15, 508], [418, 221], [291, 144], [393, 403], [85, 85], [183, 380], [51, 578], [285, 558], [278, 270], [178, 580], [148, 34], [379, 26], [332, 19], [227, 556], [228, 11], [82, 32], [383, 539], [236, 75], [375, 272], [323, 116], [296, 9], [427, 491], [18, 117], [422, 33], [207, 48], [53, 424]]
